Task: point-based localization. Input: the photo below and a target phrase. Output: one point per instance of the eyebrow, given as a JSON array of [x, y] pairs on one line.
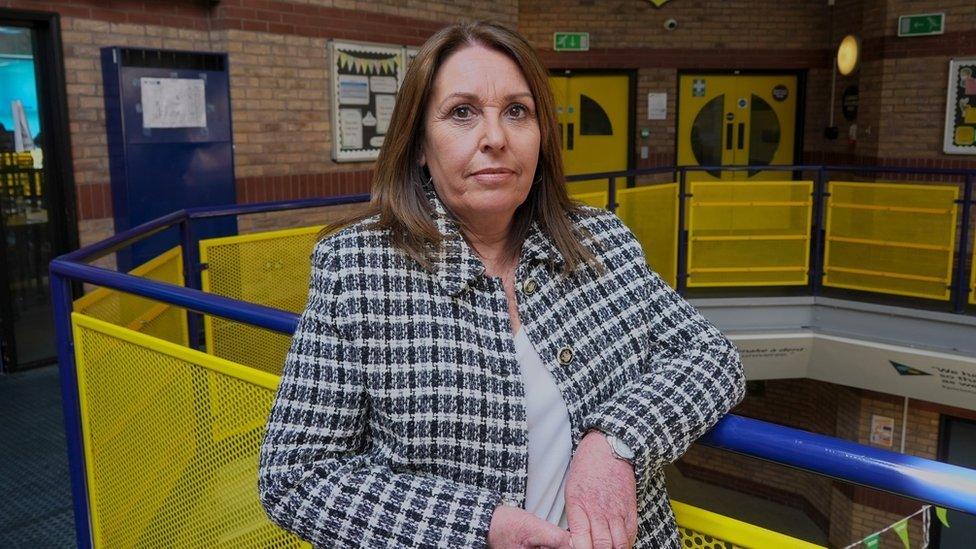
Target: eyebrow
[[473, 97]]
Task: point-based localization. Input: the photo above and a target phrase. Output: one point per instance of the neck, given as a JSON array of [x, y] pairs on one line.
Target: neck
[[489, 238]]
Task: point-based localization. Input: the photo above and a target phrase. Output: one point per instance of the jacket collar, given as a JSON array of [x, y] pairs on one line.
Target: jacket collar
[[456, 263]]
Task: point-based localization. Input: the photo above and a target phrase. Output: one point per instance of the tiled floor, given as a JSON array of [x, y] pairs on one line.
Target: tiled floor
[[35, 494]]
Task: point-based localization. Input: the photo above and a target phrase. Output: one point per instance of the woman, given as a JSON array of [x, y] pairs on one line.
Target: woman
[[481, 361]]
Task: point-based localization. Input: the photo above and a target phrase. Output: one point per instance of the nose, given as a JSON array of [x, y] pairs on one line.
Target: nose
[[493, 136]]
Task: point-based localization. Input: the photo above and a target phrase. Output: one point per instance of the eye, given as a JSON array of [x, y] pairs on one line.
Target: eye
[[462, 112], [518, 110]]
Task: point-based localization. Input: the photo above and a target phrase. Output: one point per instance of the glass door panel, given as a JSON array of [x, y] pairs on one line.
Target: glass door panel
[[25, 308]]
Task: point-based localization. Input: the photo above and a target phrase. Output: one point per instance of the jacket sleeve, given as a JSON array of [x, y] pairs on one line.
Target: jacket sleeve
[[318, 477], [690, 377]]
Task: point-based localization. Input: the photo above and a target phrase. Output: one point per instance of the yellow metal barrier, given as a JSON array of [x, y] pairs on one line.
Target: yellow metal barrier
[[138, 313], [651, 212], [171, 440], [597, 199], [749, 233], [891, 238], [704, 529], [268, 268]]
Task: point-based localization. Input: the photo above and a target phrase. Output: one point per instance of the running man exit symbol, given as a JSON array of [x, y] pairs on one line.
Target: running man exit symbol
[[571, 41], [698, 88]]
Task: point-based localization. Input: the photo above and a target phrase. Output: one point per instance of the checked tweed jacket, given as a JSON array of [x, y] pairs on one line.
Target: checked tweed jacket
[[400, 418]]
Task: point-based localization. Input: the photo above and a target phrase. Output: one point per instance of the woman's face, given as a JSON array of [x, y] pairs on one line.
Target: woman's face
[[481, 139]]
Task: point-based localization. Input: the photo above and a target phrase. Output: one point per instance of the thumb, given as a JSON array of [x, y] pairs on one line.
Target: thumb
[[547, 534]]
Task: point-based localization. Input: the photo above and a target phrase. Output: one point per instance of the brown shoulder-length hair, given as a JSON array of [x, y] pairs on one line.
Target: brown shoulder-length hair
[[398, 197]]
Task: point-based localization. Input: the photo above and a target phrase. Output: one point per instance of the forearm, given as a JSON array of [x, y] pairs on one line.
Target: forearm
[[354, 502]]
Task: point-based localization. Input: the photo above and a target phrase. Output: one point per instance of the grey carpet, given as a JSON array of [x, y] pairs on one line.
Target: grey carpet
[[35, 491]]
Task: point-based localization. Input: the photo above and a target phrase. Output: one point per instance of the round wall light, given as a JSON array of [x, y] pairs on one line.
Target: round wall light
[[848, 54]]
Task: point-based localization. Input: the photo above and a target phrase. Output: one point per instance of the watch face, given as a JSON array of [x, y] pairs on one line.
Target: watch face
[[620, 448]]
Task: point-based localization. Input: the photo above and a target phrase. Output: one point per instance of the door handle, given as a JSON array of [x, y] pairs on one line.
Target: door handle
[[560, 134], [728, 136], [569, 136], [742, 134]]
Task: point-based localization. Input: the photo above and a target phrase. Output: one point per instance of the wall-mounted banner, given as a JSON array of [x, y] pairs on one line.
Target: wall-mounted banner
[[960, 120], [916, 373], [365, 80]]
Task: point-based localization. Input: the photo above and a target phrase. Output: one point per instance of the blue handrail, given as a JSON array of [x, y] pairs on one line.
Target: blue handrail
[[926, 480]]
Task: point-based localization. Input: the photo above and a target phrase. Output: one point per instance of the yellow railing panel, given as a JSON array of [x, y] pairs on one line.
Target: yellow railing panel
[[139, 313], [749, 233], [267, 268], [651, 212], [705, 529], [171, 438], [598, 199], [891, 238]]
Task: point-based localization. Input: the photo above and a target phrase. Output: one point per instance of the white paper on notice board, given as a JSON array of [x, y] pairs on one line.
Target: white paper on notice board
[[173, 103], [351, 128], [384, 112], [657, 106]]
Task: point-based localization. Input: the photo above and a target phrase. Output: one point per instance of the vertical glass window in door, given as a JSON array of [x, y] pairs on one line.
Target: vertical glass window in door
[[764, 133], [706, 134], [25, 308]]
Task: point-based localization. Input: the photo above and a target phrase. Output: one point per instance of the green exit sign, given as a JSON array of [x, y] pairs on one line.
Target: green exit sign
[[922, 24], [571, 41]]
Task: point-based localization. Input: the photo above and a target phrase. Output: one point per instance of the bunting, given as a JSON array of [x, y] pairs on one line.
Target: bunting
[[900, 528], [359, 65]]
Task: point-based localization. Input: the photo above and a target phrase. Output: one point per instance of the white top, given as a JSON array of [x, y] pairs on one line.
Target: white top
[[550, 444]]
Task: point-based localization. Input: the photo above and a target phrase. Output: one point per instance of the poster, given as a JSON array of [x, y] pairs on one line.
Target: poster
[[366, 78], [173, 103], [960, 122], [882, 430]]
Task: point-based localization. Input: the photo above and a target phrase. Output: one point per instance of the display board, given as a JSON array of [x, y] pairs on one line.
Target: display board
[[960, 122], [365, 80]]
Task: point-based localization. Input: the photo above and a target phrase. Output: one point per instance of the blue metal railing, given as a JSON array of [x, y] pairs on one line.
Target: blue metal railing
[[930, 481]]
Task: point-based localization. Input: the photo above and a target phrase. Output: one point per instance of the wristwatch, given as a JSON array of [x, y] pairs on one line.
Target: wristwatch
[[620, 449]]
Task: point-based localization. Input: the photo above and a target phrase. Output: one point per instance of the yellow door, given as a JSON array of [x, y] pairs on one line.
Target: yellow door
[[736, 121], [592, 112]]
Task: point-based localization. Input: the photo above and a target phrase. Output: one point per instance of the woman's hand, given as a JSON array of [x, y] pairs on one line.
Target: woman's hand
[[516, 528], [601, 497]]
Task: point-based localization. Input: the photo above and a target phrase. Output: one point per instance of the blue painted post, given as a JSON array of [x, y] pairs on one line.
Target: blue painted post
[[960, 284], [682, 233], [71, 407], [191, 277]]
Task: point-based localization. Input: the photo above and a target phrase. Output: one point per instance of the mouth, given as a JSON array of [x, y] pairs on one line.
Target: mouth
[[494, 172]]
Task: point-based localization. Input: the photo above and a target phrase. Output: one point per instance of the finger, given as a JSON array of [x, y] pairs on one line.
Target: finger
[[618, 533], [630, 523], [600, 533], [546, 534], [579, 527]]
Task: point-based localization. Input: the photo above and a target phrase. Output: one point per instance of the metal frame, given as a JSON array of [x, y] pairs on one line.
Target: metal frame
[[926, 480]]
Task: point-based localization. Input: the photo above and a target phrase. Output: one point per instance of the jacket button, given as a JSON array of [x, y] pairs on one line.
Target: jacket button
[[530, 286], [565, 355]]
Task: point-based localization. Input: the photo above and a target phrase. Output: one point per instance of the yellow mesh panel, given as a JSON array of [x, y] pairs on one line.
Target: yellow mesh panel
[[268, 268], [598, 199], [749, 233], [707, 530], [139, 313], [171, 439], [891, 238], [651, 212]]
